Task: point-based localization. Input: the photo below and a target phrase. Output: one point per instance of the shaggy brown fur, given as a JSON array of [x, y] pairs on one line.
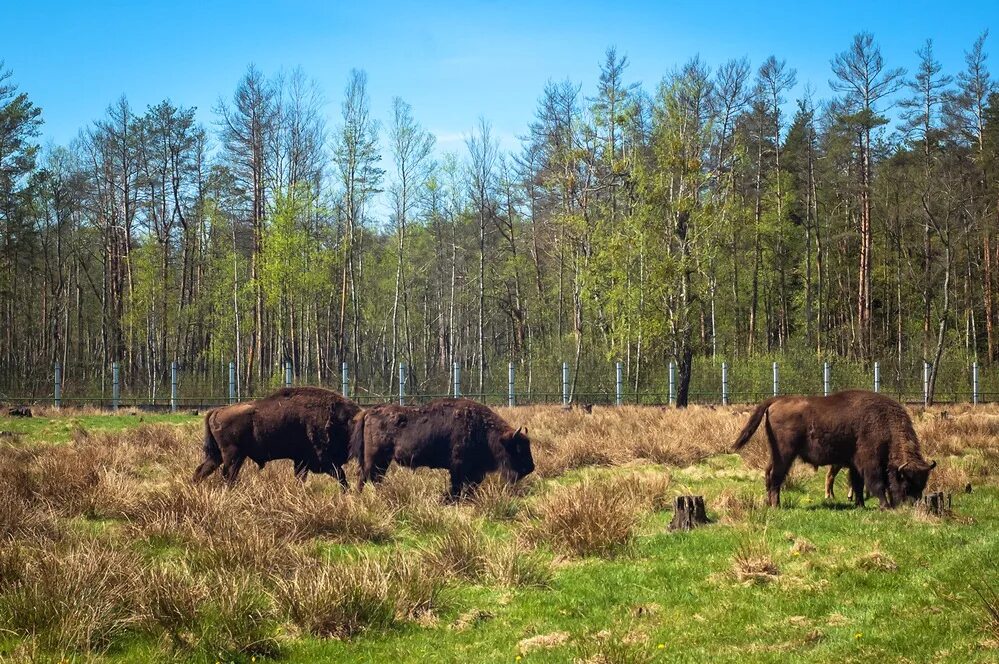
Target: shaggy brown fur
[[459, 435], [309, 425], [868, 433]]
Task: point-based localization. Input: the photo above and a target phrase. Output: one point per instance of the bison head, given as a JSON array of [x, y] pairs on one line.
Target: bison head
[[908, 481], [517, 449]]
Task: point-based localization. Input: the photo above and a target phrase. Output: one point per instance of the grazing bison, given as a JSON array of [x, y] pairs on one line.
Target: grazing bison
[[309, 425], [462, 436], [868, 433]]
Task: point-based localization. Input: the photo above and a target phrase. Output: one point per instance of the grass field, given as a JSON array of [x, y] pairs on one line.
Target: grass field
[[108, 552]]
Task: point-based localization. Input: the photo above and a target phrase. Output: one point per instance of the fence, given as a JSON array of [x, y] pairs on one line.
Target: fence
[[729, 388]]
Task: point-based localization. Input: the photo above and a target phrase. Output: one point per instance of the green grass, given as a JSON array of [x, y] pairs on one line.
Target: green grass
[[60, 429], [674, 596]]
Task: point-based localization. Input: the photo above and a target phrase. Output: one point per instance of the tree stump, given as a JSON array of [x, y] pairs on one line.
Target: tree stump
[[20, 411], [688, 513], [938, 503]]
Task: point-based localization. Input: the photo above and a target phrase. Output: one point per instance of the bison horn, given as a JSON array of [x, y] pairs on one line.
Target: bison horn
[[933, 464], [517, 432], [903, 465]]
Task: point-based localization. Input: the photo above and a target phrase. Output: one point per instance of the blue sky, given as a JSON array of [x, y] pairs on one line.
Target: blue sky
[[453, 62]]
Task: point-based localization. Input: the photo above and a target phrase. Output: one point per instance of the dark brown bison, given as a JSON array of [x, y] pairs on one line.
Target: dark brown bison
[[309, 425], [868, 433], [462, 436]]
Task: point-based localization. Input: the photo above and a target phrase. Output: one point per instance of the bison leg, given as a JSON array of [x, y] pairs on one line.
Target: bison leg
[[231, 468], [462, 483], [776, 472], [340, 476], [207, 467], [831, 481], [878, 488], [857, 486]]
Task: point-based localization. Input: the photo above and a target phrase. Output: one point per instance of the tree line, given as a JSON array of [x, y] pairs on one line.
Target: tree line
[[711, 217]]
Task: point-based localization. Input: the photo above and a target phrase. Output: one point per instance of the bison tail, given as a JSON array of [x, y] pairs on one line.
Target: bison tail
[[753, 424], [213, 455], [356, 450]]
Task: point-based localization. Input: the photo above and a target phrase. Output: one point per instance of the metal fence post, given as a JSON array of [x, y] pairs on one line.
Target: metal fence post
[[619, 385], [672, 383], [173, 386], [974, 383], [402, 383], [724, 384], [115, 387], [877, 377], [457, 380], [926, 384], [825, 379], [232, 382], [287, 373], [57, 400], [344, 380], [565, 383], [511, 397], [776, 381]]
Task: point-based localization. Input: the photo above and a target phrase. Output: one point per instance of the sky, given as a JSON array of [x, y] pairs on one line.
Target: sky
[[453, 62]]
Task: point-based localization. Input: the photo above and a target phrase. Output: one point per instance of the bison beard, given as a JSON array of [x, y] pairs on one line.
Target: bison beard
[[462, 436], [867, 433], [309, 425]]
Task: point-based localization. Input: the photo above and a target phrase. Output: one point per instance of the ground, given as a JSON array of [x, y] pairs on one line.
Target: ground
[[109, 553]]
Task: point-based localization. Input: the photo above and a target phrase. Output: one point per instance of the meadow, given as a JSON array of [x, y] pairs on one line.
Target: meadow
[[108, 553]]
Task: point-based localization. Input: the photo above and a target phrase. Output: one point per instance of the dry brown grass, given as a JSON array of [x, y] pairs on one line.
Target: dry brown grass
[[753, 565], [80, 598], [565, 440], [588, 518], [341, 600]]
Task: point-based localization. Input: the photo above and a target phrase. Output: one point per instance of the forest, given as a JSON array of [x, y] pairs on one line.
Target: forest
[[709, 217]]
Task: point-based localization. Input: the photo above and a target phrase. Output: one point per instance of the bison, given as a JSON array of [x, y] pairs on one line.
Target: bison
[[309, 425], [462, 436], [868, 433]]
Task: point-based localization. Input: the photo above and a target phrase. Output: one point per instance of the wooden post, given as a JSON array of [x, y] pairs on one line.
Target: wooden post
[[689, 513]]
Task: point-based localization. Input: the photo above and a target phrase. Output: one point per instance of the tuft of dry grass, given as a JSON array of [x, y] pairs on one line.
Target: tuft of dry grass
[[240, 619], [496, 499], [462, 552], [877, 561], [343, 600], [173, 598], [512, 566], [81, 598], [588, 518], [542, 642], [753, 565], [337, 601], [737, 505]]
